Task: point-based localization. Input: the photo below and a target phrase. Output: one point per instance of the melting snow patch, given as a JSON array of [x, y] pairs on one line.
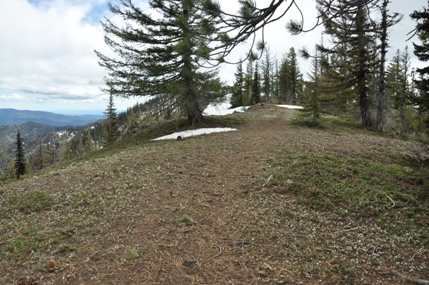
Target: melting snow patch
[[196, 132], [290, 106], [222, 109]]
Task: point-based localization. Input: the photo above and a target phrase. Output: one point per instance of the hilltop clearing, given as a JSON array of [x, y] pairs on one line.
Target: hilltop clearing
[[266, 204]]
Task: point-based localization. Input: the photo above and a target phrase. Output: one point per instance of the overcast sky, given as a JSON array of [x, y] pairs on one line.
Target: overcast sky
[[47, 59]]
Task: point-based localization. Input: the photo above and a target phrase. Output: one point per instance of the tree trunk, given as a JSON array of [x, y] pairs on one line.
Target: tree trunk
[[381, 95], [190, 101], [362, 71], [195, 115]]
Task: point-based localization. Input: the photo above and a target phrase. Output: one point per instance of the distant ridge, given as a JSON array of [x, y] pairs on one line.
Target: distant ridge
[[10, 116]]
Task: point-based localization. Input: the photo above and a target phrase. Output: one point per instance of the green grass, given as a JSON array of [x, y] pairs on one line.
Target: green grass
[[331, 181], [354, 186], [29, 202], [327, 123], [32, 241]]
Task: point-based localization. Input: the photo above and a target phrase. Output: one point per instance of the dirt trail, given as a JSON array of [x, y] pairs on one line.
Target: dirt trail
[[122, 212]]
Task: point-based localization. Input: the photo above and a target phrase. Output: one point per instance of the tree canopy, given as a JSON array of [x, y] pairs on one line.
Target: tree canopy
[[158, 53], [422, 52]]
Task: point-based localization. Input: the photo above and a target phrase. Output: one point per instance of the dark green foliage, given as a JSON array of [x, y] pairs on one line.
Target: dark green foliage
[[256, 87], [237, 89], [290, 78], [267, 76], [20, 157], [422, 52], [160, 56], [312, 93], [352, 36], [112, 130]]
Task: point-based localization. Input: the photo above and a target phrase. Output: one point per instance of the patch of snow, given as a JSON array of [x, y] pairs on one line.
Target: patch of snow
[[190, 133], [222, 109], [216, 110], [290, 106]]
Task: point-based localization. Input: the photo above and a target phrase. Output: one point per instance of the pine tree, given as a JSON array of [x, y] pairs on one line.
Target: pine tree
[[256, 87], [387, 21], [267, 75], [311, 104], [112, 130], [352, 36], [399, 89], [160, 55], [248, 83], [237, 89], [66, 152], [290, 78], [284, 82], [40, 153], [275, 81], [19, 157], [88, 142], [422, 53], [53, 146]]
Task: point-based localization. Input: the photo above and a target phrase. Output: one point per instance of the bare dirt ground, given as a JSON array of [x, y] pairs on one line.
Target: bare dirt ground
[[115, 220]]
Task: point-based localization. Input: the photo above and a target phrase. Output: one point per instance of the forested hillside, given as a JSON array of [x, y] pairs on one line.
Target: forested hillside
[[47, 145]]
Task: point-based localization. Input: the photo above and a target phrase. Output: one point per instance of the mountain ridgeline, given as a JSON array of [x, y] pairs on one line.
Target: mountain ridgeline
[[48, 144], [15, 117]]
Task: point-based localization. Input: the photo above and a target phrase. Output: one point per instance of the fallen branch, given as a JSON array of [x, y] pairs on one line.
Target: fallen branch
[[391, 200], [409, 279], [189, 229], [220, 252]]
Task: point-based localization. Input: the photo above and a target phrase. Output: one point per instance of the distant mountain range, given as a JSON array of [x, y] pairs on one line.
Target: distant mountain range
[[16, 117]]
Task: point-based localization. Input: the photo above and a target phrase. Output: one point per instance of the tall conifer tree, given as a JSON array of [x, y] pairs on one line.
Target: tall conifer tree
[[311, 103], [112, 130], [160, 55], [400, 90], [290, 77], [256, 87], [387, 21], [422, 52], [352, 36], [19, 156], [237, 89]]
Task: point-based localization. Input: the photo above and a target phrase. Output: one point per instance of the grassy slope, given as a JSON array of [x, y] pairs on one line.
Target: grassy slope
[[269, 204]]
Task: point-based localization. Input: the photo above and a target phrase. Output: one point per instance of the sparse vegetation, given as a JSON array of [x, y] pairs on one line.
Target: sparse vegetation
[[186, 220], [273, 204], [131, 254]]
